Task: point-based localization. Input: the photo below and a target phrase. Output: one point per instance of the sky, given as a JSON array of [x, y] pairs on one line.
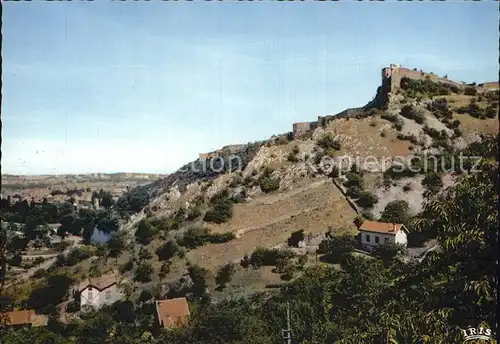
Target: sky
[[145, 86]]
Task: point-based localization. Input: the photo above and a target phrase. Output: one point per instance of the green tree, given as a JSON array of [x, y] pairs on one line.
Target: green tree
[[143, 272], [224, 274], [295, 238], [116, 244], [388, 251], [168, 250], [336, 248], [367, 200], [395, 212], [198, 276], [145, 232]]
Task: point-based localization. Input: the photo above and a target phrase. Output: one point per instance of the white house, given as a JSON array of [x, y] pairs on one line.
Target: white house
[[96, 292], [373, 233]]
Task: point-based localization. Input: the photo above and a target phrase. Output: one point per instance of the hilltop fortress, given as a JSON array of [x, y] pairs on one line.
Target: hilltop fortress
[[391, 82]]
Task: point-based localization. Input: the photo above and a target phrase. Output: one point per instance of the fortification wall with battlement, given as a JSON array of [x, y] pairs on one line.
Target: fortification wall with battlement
[[394, 73]]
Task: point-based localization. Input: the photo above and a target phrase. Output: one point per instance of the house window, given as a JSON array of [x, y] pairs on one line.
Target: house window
[[107, 294], [376, 239], [367, 238]]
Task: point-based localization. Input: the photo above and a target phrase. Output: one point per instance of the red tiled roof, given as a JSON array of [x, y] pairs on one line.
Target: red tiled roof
[[172, 311], [380, 227]]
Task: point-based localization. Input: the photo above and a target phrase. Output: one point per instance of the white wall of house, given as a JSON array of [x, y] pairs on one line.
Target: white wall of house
[[91, 296], [401, 238], [371, 239]]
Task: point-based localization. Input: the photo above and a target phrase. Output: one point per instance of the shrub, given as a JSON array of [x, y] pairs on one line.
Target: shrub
[[197, 236], [268, 257], [354, 180], [145, 231], [295, 238], [426, 87], [358, 221], [39, 273], [129, 265], [410, 112], [267, 183], [328, 142], [367, 199], [470, 91], [224, 274], [193, 213], [389, 117], [354, 192], [143, 272], [168, 250], [491, 112], [221, 208]]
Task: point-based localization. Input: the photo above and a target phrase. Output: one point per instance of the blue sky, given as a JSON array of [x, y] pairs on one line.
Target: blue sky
[[145, 86]]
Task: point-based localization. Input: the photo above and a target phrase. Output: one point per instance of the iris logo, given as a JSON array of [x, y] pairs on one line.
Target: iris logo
[[477, 333]]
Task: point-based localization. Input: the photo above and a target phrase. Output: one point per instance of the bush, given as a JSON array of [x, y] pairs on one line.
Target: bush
[[145, 231], [491, 112], [221, 208], [398, 126], [295, 238], [470, 91], [224, 274], [268, 257], [415, 88], [268, 184], [410, 112], [328, 142], [39, 273], [143, 272], [367, 199], [193, 213], [354, 192], [197, 236], [353, 180], [168, 250], [129, 265]]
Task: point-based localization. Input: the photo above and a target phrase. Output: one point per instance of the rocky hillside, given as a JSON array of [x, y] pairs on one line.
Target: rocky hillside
[[285, 184]]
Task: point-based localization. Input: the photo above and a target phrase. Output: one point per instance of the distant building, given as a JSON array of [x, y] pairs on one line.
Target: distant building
[[172, 312], [375, 233], [23, 318], [96, 292]]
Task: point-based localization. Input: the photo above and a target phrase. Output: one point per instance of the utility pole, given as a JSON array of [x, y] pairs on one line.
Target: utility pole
[[287, 333]]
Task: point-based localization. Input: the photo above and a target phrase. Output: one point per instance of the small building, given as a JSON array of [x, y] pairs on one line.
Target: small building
[[96, 292], [172, 312], [373, 233], [23, 318]]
